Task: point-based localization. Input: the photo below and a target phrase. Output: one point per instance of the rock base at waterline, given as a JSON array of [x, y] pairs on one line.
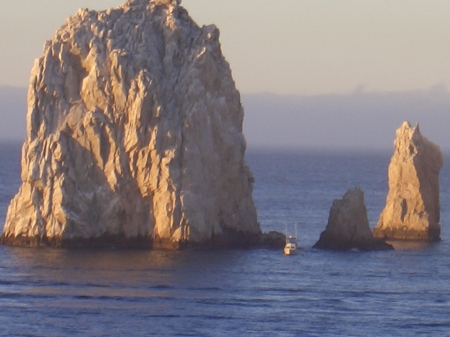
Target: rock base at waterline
[[235, 240], [329, 242]]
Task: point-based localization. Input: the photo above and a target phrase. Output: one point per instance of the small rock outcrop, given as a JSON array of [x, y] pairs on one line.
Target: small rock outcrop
[[412, 209], [272, 240], [348, 225], [134, 137]]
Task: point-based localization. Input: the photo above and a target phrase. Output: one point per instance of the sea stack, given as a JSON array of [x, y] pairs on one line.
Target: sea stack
[[412, 209], [134, 137], [348, 226]]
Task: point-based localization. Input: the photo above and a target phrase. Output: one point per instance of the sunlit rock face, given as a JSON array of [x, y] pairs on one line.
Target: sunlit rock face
[[348, 225], [134, 136], [412, 209]]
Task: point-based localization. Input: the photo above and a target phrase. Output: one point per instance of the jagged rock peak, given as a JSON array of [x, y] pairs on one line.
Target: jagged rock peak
[[156, 2], [408, 139], [134, 136], [348, 225], [412, 209], [144, 3]]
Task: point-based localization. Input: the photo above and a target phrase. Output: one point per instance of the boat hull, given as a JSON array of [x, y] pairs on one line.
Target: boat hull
[[290, 251]]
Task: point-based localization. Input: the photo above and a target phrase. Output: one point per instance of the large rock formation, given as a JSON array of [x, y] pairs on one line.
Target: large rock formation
[[134, 136], [348, 225], [412, 209]]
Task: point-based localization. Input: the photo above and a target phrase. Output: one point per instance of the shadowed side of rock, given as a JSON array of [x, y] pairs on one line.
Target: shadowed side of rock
[[348, 226]]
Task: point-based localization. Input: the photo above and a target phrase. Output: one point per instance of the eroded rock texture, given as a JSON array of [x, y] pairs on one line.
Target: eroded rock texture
[[348, 225], [134, 136], [412, 209]]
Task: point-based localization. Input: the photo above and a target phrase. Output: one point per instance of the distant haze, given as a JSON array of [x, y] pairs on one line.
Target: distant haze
[[346, 122], [13, 109], [358, 121]]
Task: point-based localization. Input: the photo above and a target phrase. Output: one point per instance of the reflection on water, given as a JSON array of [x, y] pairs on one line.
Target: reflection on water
[[409, 245], [83, 272]]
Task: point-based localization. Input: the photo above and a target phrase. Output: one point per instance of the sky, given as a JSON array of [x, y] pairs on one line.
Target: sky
[[290, 48]]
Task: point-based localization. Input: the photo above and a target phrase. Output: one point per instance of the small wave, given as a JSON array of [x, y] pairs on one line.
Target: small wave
[[281, 290], [27, 295], [121, 298], [8, 282], [162, 286], [211, 317], [163, 316], [205, 289]]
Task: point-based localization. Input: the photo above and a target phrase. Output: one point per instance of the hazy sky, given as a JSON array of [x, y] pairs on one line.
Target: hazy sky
[[286, 47], [386, 60]]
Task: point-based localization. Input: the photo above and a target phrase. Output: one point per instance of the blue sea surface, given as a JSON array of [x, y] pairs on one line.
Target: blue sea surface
[[56, 292]]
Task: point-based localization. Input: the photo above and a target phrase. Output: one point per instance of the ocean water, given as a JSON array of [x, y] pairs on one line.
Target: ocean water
[[406, 292]]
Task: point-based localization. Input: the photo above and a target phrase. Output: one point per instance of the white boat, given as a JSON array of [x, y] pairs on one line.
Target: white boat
[[291, 243]]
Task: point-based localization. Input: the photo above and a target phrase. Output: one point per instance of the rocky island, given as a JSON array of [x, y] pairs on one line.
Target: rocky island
[[134, 137], [412, 209], [348, 226]]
